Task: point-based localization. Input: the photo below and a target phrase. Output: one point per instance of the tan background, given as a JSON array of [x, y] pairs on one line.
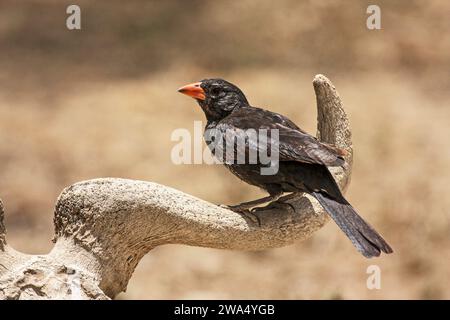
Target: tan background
[[102, 102]]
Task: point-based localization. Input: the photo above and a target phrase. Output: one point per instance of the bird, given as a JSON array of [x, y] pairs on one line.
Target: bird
[[302, 165]]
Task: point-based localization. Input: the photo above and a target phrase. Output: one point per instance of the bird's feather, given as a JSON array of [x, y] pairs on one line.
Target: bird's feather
[[293, 144]]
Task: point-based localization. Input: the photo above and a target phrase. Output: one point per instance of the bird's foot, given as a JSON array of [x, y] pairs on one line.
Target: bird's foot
[[278, 205], [235, 208], [252, 216], [245, 211], [283, 202], [281, 205]]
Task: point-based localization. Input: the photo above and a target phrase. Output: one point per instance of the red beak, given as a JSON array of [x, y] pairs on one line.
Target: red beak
[[193, 90]]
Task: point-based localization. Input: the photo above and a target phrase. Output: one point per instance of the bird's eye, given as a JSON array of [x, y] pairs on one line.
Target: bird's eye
[[215, 91]]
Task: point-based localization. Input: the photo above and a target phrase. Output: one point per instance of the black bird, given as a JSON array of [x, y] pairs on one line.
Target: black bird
[[303, 160]]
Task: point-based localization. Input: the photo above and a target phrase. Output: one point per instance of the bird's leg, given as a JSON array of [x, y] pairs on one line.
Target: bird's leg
[[245, 206], [289, 196], [281, 202]]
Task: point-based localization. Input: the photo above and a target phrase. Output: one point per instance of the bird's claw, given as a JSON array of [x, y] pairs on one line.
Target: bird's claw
[[236, 208], [281, 205], [248, 213], [252, 216]]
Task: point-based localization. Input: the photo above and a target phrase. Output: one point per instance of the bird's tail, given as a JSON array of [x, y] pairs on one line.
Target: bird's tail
[[361, 234]]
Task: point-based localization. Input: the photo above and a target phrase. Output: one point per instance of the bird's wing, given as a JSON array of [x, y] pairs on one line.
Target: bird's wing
[[299, 146], [293, 143]]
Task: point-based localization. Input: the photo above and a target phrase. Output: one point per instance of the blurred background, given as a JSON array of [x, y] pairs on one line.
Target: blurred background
[[102, 102]]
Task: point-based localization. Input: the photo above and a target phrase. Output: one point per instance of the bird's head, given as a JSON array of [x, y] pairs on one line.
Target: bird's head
[[217, 97]]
